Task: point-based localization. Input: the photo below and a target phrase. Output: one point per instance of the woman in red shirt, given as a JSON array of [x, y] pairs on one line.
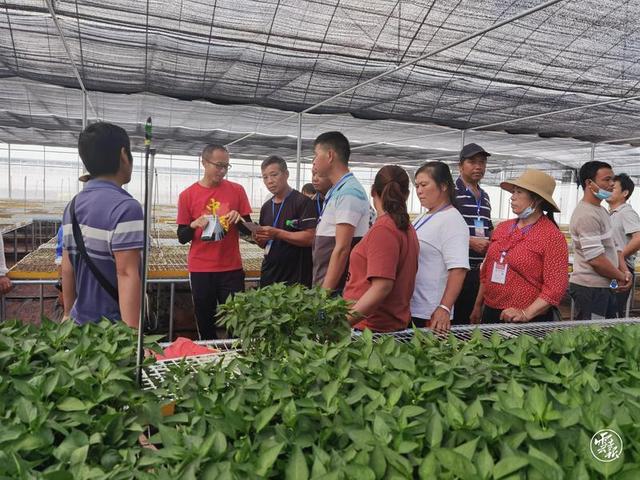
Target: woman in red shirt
[[383, 265], [525, 272]]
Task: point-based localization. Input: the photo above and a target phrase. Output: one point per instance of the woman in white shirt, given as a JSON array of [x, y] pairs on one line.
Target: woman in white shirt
[[444, 248]]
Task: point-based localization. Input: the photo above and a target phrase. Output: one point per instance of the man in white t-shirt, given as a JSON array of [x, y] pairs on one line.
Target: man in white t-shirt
[[626, 231], [344, 218]]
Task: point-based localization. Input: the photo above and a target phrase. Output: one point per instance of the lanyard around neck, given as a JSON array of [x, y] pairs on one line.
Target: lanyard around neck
[[523, 232], [334, 189], [478, 199], [418, 225], [273, 208]]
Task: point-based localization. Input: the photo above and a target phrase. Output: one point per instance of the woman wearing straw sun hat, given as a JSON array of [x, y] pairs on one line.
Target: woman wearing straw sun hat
[[525, 272]]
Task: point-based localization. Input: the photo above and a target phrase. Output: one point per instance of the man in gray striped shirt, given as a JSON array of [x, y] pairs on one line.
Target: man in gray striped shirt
[[473, 203], [111, 229]]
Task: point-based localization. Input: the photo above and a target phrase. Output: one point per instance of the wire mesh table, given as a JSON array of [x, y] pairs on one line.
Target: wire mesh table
[[512, 330], [155, 375]]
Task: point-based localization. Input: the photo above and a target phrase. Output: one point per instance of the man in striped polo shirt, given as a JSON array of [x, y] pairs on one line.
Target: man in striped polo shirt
[[473, 203], [110, 221]]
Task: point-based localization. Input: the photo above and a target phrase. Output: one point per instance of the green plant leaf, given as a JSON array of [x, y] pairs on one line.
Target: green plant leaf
[[329, 391], [434, 431], [264, 417], [378, 462], [404, 363], [72, 404], [428, 467], [297, 468], [508, 465], [456, 463], [484, 464], [267, 458], [467, 449], [545, 464]]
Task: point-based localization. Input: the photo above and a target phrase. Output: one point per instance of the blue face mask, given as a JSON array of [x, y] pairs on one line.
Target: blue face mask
[[602, 194], [526, 213]]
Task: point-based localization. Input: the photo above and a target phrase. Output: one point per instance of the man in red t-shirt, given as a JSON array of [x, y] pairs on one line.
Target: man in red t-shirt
[[215, 267]]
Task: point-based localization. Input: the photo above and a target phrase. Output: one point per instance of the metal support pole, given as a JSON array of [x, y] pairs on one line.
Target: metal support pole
[[253, 179], [25, 193], [502, 178], [9, 168], [593, 152], [150, 154], [41, 300], [84, 109], [54, 17], [172, 295], [44, 174], [171, 178], [462, 136], [299, 151], [15, 245]]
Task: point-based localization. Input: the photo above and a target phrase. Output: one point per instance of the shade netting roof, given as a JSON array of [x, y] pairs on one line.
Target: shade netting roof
[[214, 71]]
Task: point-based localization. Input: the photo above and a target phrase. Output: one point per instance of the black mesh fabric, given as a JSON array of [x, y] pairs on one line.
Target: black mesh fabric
[[214, 71]]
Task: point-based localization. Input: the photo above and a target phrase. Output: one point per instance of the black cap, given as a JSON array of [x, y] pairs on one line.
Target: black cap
[[471, 149]]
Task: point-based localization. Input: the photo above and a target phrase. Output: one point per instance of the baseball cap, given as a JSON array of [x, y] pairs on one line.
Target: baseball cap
[[471, 149]]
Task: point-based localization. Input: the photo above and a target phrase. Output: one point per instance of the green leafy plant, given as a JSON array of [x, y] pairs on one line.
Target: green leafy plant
[[268, 319], [69, 404], [488, 408]]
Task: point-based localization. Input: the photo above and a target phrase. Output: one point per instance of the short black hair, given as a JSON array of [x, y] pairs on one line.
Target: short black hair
[[337, 142], [625, 184], [275, 160], [589, 170], [99, 147], [308, 188], [210, 148]]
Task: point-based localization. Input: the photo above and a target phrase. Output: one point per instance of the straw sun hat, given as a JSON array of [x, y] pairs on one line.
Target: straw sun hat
[[537, 182]]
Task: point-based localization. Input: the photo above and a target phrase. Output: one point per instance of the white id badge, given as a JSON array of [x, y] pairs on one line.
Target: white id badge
[[499, 274], [267, 248], [479, 226]]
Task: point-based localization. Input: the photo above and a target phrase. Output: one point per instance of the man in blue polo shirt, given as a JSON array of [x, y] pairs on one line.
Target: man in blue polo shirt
[[473, 203], [111, 228]]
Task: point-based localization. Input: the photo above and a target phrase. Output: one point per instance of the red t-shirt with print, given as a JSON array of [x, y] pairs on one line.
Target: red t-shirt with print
[[385, 252], [224, 255]]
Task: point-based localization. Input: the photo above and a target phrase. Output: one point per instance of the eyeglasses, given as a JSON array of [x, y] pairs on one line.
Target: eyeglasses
[[220, 166]]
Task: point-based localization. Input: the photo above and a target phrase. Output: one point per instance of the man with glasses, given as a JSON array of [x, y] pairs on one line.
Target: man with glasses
[[215, 267]]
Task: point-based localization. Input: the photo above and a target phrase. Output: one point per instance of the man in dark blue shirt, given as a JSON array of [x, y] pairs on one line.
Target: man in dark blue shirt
[[473, 203]]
